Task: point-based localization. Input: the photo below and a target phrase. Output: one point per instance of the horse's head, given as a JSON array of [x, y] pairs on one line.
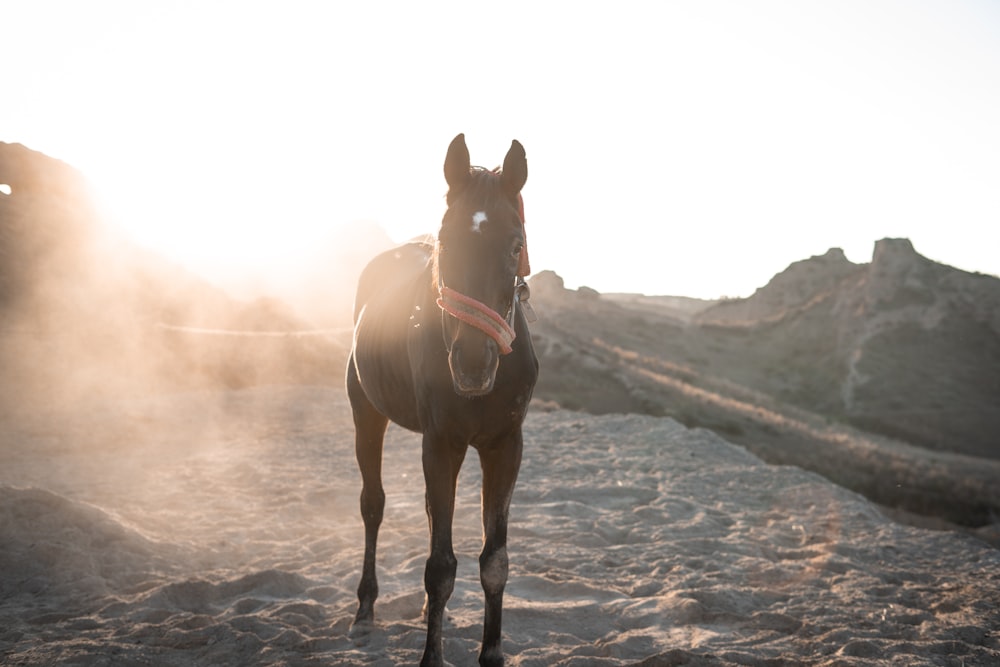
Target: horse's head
[[479, 257]]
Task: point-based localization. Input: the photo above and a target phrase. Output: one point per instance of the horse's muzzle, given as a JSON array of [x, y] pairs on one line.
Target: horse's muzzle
[[473, 368]]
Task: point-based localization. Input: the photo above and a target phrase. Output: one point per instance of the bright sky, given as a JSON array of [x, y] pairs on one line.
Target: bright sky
[[692, 148]]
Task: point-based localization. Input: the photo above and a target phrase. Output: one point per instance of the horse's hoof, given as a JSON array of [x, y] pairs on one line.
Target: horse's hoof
[[363, 625], [360, 631], [491, 658], [432, 661]]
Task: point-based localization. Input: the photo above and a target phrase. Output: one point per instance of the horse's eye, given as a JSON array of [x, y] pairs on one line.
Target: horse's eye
[[516, 252]]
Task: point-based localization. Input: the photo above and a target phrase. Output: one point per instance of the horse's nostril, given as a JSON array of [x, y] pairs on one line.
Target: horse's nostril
[[479, 356]]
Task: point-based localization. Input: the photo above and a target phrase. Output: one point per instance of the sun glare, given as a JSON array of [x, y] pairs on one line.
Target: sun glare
[[727, 141], [215, 225]]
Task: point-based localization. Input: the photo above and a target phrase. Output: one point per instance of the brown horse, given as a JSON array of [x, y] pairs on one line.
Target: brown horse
[[441, 347]]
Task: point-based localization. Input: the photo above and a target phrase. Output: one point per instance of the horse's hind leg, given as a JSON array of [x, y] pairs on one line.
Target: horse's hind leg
[[500, 467], [369, 433]]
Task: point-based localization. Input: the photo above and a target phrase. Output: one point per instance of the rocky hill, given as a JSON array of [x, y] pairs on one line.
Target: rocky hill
[[47, 223], [84, 311], [903, 345]]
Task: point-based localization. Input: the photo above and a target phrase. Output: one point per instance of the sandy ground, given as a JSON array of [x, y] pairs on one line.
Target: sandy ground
[[222, 529]]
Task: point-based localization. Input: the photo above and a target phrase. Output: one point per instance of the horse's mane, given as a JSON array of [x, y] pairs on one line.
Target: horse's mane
[[485, 183]]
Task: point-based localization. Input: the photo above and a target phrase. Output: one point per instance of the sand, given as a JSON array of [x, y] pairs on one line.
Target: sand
[[222, 529]]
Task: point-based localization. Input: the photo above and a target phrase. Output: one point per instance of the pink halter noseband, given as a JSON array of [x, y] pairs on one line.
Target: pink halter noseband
[[479, 315]]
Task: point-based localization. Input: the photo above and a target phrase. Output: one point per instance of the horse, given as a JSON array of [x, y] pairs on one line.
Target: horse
[[442, 347]]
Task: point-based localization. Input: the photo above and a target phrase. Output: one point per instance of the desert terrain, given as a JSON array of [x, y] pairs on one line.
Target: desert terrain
[[222, 528]]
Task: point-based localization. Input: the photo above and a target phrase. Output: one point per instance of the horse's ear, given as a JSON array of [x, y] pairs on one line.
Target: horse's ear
[[457, 164], [515, 169]]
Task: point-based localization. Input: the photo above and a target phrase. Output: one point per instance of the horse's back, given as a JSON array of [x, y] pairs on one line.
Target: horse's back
[[390, 273], [386, 298]]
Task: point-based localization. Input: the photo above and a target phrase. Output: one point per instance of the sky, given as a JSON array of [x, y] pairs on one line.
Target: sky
[[688, 148]]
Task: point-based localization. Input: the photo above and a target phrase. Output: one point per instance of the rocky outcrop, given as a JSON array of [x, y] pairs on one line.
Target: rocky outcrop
[[902, 345], [922, 351], [801, 285], [48, 223]]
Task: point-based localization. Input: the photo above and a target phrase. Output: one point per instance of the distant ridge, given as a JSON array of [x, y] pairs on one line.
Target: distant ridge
[[903, 345], [801, 284]]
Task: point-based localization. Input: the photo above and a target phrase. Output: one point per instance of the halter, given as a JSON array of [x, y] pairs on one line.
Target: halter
[[477, 314]]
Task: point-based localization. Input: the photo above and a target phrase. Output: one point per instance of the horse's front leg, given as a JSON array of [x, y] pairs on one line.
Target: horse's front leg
[[442, 461], [500, 466]]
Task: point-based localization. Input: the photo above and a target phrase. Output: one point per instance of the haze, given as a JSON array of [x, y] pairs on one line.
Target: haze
[[674, 148]]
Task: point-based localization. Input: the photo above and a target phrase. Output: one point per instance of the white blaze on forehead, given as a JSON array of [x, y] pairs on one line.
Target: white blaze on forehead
[[478, 218]]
